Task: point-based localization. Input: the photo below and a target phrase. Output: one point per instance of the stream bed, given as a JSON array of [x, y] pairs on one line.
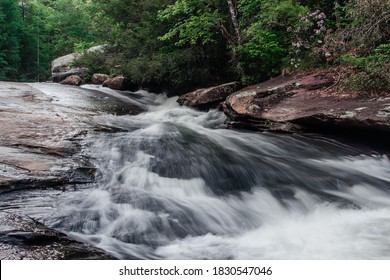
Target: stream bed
[[174, 183]]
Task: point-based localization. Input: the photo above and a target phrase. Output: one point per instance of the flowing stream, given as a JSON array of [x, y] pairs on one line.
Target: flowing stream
[[177, 185]]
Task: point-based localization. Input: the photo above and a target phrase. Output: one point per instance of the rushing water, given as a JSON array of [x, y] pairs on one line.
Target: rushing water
[[178, 185]]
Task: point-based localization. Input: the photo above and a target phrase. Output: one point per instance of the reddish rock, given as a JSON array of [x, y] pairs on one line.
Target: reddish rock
[[209, 97], [115, 83], [99, 79], [120, 83], [73, 80], [301, 103]]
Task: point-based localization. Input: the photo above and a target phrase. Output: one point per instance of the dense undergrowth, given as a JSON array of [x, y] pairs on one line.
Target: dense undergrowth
[[192, 43]]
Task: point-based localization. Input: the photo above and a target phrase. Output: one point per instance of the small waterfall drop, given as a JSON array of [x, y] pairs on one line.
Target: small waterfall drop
[[177, 185]]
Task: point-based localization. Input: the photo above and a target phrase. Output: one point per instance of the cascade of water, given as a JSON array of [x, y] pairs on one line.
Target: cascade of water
[[178, 185]]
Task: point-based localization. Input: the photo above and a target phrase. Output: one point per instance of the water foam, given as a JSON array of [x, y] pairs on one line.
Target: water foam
[[177, 185]]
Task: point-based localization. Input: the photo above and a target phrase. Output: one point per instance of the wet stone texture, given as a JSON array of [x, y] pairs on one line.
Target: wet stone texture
[[39, 142], [305, 104], [207, 98], [22, 238], [42, 145]]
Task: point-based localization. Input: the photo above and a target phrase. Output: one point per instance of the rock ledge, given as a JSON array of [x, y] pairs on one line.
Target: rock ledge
[[303, 103]]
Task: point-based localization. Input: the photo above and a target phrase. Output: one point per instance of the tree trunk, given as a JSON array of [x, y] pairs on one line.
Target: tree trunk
[[23, 7], [233, 17]]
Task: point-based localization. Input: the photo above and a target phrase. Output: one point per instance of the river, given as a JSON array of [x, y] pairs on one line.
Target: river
[[175, 184]]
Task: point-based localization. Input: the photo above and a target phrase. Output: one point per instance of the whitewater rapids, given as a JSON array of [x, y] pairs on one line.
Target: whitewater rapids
[[175, 184]]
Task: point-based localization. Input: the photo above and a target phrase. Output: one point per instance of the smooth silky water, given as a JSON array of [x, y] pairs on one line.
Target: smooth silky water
[[178, 185]]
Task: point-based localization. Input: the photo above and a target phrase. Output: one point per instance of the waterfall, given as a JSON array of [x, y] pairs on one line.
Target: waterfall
[[175, 184]]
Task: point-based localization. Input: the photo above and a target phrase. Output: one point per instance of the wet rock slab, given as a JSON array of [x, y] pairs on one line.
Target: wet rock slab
[[206, 98], [42, 145], [40, 142], [22, 238], [303, 104], [42, 132]]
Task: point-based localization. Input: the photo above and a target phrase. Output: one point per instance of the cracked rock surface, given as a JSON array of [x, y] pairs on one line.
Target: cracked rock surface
[[22, 238], [43, 127], [304, 103]]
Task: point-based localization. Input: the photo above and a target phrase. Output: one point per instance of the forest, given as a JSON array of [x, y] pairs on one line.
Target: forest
[[219, 130], [191, 43]]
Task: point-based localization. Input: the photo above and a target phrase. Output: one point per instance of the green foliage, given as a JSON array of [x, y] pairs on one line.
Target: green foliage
[[266, 37], [197, 51], [381, 54], [352, 60], [262, 56], [80, 47], [66, 34], [34, 32], [146, 45], [259, 54], [383, 49], [131, 35], [372, 72], [198, 25], [10, 27], [96, 62], [193, 43], [280, 14], [366, 24]]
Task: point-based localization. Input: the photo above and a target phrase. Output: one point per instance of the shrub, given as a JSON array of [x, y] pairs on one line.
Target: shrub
[[372, 72], [313, 41], [96, 62], [262, 56], [367, 24]]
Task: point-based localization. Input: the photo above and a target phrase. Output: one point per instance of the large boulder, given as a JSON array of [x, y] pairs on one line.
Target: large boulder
[[63, 62], [67, 72], [58, 64], [73, 80], [305, 103], [120, 83], [99, 79], [62, 67], [209, 97]]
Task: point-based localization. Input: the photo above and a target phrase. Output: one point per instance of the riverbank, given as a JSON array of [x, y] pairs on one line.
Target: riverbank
[[172, 181], [304, 102], [41, 146]]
